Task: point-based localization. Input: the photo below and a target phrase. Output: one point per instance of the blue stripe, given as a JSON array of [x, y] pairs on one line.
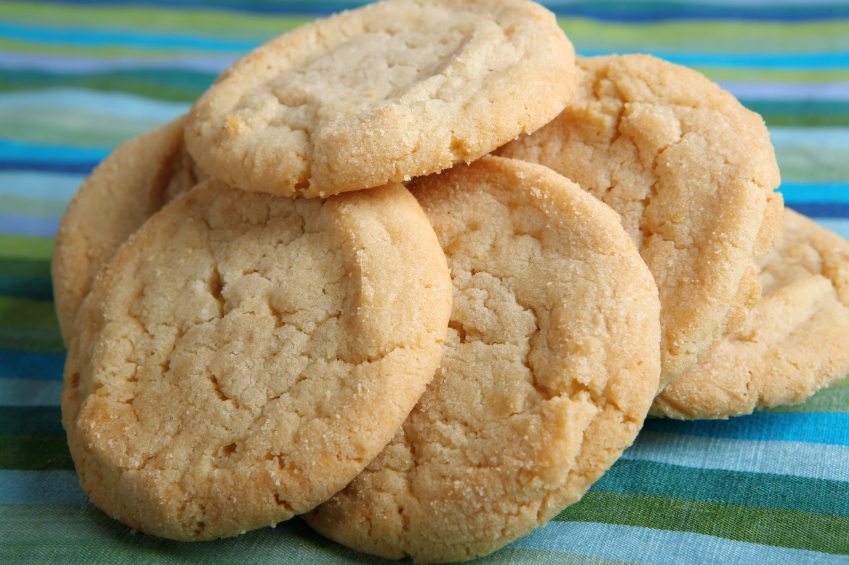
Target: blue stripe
[[104, 38], [20, 150], [26, 365], [821, 209], [79, 167], [31, 226], [44, 186], [660, 547], [836, 61], [41, 487], [107, 103], [29, 392], [810, 192], [821, 428], [780, 91]]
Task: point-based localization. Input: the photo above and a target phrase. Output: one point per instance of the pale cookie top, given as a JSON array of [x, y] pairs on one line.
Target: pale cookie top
[[384, 93], [244, 356], [550, 366], [135, 181], [690, 172], [795, 342]]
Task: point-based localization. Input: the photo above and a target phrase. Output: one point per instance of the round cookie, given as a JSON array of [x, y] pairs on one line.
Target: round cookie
[[382, 94], [550, 366], [795, 342], [691, 173], [244, 355], [132, 183]]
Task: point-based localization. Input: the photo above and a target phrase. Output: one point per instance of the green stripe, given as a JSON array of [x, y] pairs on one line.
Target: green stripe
[[813, 164], [35, 453], [31, 420], [172, 85], [24, 247], [106, 51], [765, 490], [706, 36], [223, 24], [69, 126], [35, 340], [25, 267], [27, 313], [768, 526], [13, 204], [775, 75]]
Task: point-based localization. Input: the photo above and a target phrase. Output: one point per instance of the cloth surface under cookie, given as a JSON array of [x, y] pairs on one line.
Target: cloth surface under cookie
[[691, 173], [549, 369], [244, 356], [795, 342], [388, 92], [135, 181]]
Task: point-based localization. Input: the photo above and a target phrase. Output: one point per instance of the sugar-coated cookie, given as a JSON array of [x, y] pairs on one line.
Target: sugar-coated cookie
[[691, 173], [381, 94], [134, 181], [244, 355], [550, 366], [795, 341]]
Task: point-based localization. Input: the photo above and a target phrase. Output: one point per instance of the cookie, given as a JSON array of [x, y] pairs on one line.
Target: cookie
[[382, 94], [244, 355], [691, 173], [135, 181], [550, 366], [795, 342]]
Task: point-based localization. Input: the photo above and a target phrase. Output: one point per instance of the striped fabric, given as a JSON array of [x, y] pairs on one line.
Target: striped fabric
[[79, 77]]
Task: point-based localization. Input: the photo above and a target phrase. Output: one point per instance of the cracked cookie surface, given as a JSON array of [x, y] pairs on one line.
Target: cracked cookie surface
[[795, 341], [381, 94], [128, 187], [550, 366], [244, 356], [691, 173]]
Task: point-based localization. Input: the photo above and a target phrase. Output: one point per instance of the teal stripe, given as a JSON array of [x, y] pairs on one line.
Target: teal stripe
[[727, 487], [835, 137], [31, 420], [816, 461], [29, 392], [41, 487], [31, 288], [12, 204]]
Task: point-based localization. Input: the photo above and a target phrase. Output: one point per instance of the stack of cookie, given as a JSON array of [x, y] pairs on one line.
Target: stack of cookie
[[319, 294]]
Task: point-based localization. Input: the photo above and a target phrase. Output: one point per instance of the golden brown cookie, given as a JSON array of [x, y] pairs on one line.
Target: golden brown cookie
[[381, 94], [135, 181], [244, 355], [550, 366], [795, 342], [691, 173]]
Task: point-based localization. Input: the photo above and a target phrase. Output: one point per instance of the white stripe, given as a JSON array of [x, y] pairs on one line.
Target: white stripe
[[30, 392], [661, 547], [815, 461], [48, 186], [838, 226], [836, 137], [106, 103]]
